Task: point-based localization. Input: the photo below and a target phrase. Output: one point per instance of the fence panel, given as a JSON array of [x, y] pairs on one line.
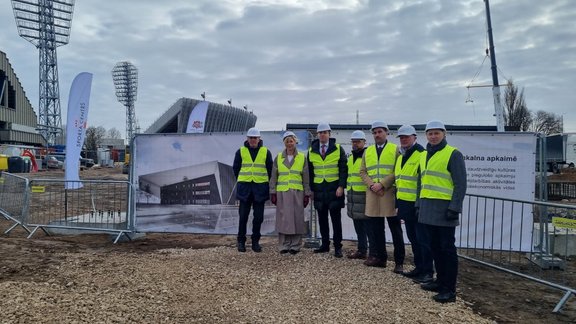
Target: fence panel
[[548, 259], [13, 199], [561, 190], [97, 205]]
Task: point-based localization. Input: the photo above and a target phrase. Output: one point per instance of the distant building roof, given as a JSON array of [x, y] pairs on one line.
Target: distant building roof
[[117, 143]]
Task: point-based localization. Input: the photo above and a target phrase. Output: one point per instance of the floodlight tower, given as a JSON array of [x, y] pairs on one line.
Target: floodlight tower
[[125, 77], [46, 24]]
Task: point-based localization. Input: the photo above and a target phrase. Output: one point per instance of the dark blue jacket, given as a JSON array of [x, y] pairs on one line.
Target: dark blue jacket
[[406, 209], [260, 191], [325, 192]]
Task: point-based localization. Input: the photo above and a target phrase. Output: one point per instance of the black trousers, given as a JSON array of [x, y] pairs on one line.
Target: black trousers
[[377, 234], [443, 245], [361, 228], [420, 240], [258, 218], [336, 217], [397, 239]]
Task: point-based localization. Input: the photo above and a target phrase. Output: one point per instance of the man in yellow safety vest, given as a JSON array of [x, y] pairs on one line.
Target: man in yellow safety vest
[[442, 191], [328, 173], [252, 168], [406, 175], [356, 195], [377, 172]]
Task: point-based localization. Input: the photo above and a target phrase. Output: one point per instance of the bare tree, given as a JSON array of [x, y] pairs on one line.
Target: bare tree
[[114, 133], [94, 136], [547, 122], [516, 112]]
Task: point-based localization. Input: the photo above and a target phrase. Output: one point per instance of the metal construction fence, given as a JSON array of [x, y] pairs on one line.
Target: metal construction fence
[[94, 205], [551, 236], [13, 198]]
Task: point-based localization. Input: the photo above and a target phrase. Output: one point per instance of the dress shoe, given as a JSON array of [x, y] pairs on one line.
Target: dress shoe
[[338, 253], [412, 273], [256, 247], [283, 251], [357, 255], [423, 279], [322, 249], [431, 286], [446, 297], [398, 269], [294, 252], [241, 246], [375, 262]]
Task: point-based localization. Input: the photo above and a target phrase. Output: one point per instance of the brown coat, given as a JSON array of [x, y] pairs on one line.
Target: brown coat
[[290, 212], [382, 204]]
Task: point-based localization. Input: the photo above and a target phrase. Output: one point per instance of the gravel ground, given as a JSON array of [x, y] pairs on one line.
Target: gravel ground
[[219, 285], [183, 278]]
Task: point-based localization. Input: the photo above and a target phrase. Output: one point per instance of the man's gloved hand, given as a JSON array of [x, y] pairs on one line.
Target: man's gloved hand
[[452, 215], [417, 212], [306, 201], [273, 198]]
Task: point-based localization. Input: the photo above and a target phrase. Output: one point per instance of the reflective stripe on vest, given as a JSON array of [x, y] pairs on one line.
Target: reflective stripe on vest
[[290, 178], [253, 171], [354, 182], [436, 179], [407, 177], [327, 169], [378, 169]]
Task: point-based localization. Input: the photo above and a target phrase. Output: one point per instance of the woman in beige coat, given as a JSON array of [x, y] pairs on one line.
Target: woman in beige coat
[[380, 199], [290, 192]]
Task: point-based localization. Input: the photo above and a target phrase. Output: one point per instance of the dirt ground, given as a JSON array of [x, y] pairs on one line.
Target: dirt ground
[[53, 261], [565, 175]]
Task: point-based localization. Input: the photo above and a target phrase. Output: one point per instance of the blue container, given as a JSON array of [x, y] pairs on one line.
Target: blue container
[[16, 164]]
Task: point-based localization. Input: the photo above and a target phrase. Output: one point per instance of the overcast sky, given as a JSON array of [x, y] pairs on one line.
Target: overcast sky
[[305, 61]]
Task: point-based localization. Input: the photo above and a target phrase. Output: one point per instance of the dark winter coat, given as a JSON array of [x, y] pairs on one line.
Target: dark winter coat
[[261, 191], [406, 209], [325, 192], [433, 211], [356, 200]]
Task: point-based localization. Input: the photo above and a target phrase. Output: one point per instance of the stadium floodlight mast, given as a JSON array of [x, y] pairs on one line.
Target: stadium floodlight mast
[[125, 76], [46, 24]]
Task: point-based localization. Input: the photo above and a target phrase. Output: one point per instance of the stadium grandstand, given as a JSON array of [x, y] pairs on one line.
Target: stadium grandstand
[[219, 118]]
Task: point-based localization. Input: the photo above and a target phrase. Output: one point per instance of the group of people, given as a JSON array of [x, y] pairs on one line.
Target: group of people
[[423, 187]]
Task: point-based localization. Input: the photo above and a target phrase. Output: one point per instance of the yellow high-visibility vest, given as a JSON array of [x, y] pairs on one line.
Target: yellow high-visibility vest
[[407, 177], [327, 169], [436, 180], [378, 169], [290, 178], [354, 182], [253, 171]]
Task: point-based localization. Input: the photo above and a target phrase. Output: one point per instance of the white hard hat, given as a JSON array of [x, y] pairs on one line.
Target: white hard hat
[[253, 132], [435, 124], [322, 127], [379, 124], [358, 135], [406, 130], [288, 133]]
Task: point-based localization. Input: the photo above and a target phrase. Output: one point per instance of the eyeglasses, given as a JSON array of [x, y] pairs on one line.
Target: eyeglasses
[[253, 137]]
